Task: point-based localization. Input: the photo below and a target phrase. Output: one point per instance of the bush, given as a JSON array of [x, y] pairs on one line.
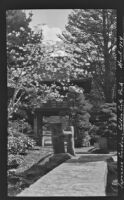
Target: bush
[[18, 142], [25, 127], [14, 160], [16, 145], [19, 126], [105, 121], [79, 115], [30, 143]]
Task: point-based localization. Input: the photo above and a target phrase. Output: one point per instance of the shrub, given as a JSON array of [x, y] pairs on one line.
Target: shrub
[[16, 145], [25, 127], [18, 142], [12, 127], [19, 126], [105, 121], [14, 160], [30, 143], [80, 116]]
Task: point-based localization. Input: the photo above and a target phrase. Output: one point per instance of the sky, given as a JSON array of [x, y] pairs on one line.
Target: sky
[[54, 21]]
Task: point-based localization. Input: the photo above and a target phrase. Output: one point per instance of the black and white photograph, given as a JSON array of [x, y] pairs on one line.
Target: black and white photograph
[[62, 102]]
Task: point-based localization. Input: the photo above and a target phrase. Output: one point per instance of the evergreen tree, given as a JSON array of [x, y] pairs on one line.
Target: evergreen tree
[[90, 37], [80, 108]]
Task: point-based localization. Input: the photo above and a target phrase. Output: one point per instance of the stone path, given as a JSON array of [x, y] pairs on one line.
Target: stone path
[[83, 175]]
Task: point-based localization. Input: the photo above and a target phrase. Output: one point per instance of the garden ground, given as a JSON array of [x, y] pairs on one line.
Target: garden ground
[[40, 161], [15, 182]]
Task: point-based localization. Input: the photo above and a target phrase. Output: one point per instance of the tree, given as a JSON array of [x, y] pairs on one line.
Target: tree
[[16, 19], [21, 42], [105, 122], [90, 37], [29, 62], [80, 108]]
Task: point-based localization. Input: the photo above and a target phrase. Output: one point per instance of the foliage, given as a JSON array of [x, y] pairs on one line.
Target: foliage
[[90, 37], [29, 62], [18, 144], [16, 19], [105, 121], [21, 41], [25, 127], [79, 113], [93, 133], [21, 126], [14, 160]]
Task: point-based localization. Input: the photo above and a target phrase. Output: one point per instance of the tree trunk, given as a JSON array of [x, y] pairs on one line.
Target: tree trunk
[[107, 76]]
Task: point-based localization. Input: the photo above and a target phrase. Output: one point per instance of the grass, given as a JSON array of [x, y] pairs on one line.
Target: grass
[[33, 156]]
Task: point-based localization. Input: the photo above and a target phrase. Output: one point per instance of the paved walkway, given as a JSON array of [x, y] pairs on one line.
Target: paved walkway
[[83, 175]]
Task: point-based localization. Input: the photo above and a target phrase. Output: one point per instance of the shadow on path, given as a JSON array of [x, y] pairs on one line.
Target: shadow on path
[[89, 158]]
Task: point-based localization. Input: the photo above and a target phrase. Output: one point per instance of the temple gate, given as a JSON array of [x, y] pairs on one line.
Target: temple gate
[[54, 108]]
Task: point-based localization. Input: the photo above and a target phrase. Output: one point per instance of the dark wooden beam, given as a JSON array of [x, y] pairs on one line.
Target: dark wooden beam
[[84, 83], [52, 111]]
